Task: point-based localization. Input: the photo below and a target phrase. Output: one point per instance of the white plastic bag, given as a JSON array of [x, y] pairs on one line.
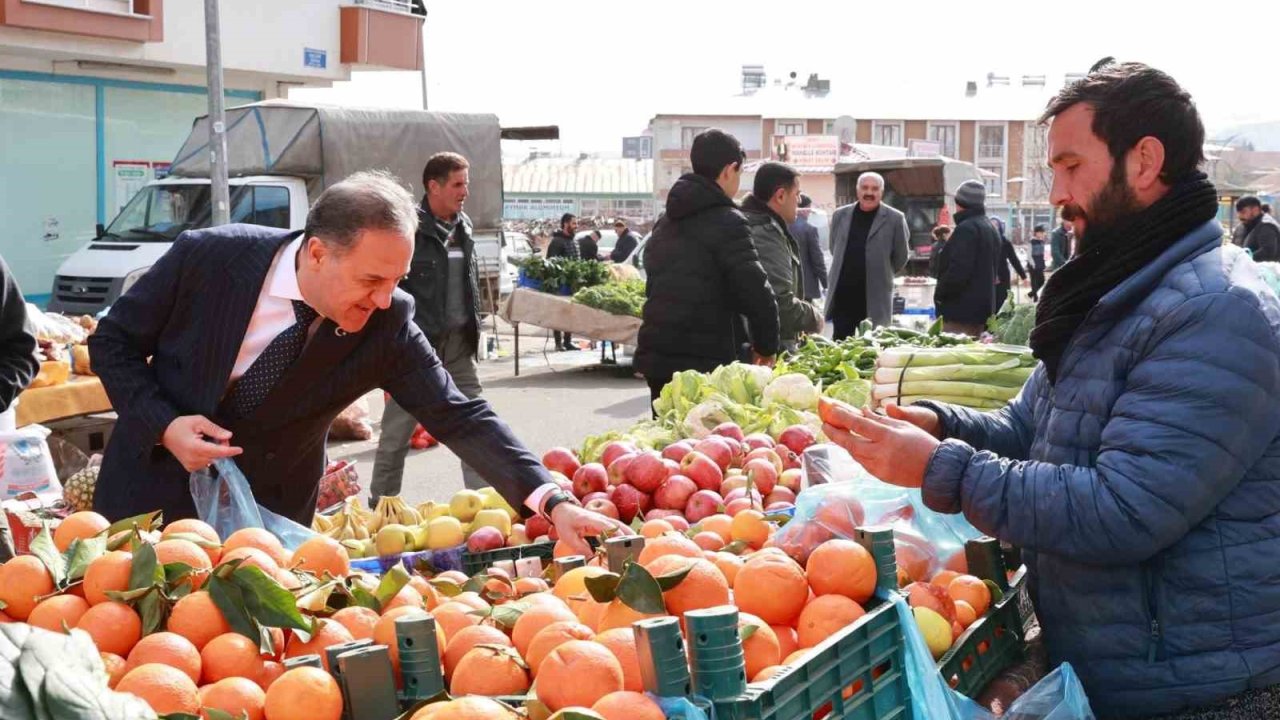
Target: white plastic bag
[[26, 465]]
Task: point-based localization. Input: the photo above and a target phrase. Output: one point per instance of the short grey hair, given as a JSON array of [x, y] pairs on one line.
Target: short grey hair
[[873, 176], [366, 200]]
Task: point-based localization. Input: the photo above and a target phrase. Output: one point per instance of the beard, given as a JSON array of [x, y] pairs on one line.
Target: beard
[[1113, 205]]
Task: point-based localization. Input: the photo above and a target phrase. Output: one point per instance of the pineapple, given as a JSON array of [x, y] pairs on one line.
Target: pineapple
[[77, 490]]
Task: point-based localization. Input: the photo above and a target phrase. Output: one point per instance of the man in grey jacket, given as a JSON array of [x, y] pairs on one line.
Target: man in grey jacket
[[813, 266], [770, 207], [1260, 232], [868, 247]]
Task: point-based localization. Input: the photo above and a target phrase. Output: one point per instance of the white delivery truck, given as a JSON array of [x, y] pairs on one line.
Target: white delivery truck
[[281, 156]]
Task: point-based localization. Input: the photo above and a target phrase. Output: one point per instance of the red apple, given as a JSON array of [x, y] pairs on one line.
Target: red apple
[[798, 437], [646, 502], [485, 539], [618, 468], [762, 474], [678, 522], [561, 460], [604, 507], [674, 493], [765, 454], [677, 451], [615, 450], [703, 504], [733, 508], [590, 478], [673, 467], [536, 526], [754, 497], [780, 494], [737, 482], [729, 430], [718, 449], [778, 506], [627, 499], [646, 471], [755, 441], [790, 461], [702, 470], [600, 495], [661, 514], [790, 479]]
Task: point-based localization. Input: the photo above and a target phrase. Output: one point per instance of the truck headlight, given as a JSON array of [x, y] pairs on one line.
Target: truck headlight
[[131, 279]]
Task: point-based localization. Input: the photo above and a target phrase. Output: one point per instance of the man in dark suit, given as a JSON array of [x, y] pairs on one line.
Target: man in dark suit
[[813, 266], [246, 342]]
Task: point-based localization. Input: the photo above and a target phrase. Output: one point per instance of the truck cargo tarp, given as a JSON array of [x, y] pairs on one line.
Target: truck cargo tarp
[[324, 144]]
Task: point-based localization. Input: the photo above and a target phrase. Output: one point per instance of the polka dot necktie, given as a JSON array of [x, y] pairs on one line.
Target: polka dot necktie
[[252, 388]]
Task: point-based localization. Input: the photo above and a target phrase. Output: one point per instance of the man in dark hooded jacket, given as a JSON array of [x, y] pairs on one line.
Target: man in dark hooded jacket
[[703, 271], [966, 292]]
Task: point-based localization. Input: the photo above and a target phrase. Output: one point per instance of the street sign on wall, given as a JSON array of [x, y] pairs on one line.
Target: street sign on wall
[[809, 150], [314, 58]]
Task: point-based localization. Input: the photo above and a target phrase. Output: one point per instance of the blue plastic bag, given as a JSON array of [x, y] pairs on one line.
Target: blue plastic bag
[[223, 499], [1058, 696]]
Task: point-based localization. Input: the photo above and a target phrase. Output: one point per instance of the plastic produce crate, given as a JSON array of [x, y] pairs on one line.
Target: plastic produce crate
[[865, 660], [473, 563], [997, 639]]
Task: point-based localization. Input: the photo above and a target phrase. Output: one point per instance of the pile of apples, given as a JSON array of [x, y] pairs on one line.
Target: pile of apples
[[726, 472]]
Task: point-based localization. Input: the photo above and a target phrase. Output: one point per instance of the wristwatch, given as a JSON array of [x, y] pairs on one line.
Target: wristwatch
[[555, 499]]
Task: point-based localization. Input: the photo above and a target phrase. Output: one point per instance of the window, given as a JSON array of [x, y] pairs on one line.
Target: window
[[886, 133], [991, 141], [993, 176], [790, 127], [688, 134], [945, 134], [271, 206], [828, 127], [1039, 176], [111, 6]]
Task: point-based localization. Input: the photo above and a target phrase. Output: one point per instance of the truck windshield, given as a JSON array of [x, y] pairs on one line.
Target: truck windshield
[[159, 213]]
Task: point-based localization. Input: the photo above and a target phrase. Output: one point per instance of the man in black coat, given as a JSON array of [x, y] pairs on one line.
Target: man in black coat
[[627, 242], [1060, 240], [589, 245], [966, 292], [1261, 233], [703, 271], [1037, 262], [813, 266], [563, 244], [245, 342], [1005, 257], [18, 364]]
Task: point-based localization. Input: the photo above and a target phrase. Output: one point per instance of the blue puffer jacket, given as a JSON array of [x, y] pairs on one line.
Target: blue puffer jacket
[[1144, 485]]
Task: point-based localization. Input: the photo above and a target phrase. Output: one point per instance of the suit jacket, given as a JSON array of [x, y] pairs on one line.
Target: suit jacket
[[167, 348], [813, 266], [887, 253]]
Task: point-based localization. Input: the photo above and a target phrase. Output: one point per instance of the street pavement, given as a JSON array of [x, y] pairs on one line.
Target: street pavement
[[559, 399]]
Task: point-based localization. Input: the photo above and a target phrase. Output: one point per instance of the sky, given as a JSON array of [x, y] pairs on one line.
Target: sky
[[601, 69]]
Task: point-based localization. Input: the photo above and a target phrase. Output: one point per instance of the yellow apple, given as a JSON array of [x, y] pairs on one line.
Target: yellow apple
[[465, 504], [444, 532], [494, 518]]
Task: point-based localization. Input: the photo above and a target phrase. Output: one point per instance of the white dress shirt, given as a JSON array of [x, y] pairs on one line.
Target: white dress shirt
[[274, 312]]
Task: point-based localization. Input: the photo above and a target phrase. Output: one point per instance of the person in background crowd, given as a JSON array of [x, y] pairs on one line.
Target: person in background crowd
[[813, 266], [18, 363], [966, 292], [1060, 240], [563, 244], [771, 206], [940, 236], [589, 245], [443, 286], [1266, 209], [627, 242], [868, 247], [1005, 256], [1138, 467], [1261, 231], [703, 272], [1037, 261]]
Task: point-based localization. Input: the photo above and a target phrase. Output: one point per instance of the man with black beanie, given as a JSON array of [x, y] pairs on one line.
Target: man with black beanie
[[1261, 232], [966, 292], [564, 245], [703, 272]]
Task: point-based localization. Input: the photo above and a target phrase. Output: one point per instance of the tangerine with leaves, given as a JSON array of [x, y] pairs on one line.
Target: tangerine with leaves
[[110, 572], [669, 544], [114, 665], [196, 618], [238, 697], [167, 690], [622, 643], [971, 590], [321, 555], [327, 633], [177, 550], [81, 525], [252, 557], [200, 529], [166, 648], [114, 627], [23, 580], [490, 670], [230, 655], [304, 693], [552, 637], [258, 539], [703, 587], [359, 621], [618, 614], [535, 619], [579, 672], [655, 528], [760, 645], [842, 567], [826, 616], [772, 588], [58, 613], [454, 616], [408, 596], [466, 639]]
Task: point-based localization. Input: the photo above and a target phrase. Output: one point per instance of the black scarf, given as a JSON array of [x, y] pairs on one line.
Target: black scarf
[[1113, 255]]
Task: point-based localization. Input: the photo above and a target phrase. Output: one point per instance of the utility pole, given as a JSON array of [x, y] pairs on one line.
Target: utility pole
[[424, 57], [221, 194]]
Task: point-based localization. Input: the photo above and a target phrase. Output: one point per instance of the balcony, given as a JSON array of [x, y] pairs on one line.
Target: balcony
[[133, 20], [382, 33], [991, 151]]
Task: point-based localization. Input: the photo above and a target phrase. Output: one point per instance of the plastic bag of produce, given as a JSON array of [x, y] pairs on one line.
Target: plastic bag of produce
[[352, 423], [26, 465], [223, 499]]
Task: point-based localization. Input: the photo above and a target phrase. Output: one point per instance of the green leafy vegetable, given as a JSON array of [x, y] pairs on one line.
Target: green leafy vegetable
[[616, 298]]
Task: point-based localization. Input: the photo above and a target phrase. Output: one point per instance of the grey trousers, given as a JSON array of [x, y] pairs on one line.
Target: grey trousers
[[397, 424]]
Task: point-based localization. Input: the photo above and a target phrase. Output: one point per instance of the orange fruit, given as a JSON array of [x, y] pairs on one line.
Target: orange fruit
[[238, 697], [750, 527], [574, 583], [490, 670], [58, 613], [729, 565], [944, 578], [407, 597], [453, 616], [762, 648], [321, 555], [81, 525], [579, 672], [359, 621], [471, 707], [472, 600], [622, 643], [178, 550], [655, 528], [543, 600], [671, 544], [719, 524], [530, 585], [165, 689], [109, 572], [22, 581], [196, 618], [304, 693], [430, 596], [271, 671], [965, 615], [114, 627], [384, 633], [252, 557], [628, 705], [766, 673], [114, 665], [230, 655], [198, 528], [826, 616], [973, 591], [842, 567], [467, 638], [618, 614], [552, 637], [327, 633], [589, 612], [533, 621], [788, 641], [704, 586], [796, 657], [255, 538], [771, 588], [166, 648]]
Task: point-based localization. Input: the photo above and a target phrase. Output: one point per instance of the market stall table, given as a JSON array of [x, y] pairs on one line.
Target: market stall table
[[557, 312], [81, 395]]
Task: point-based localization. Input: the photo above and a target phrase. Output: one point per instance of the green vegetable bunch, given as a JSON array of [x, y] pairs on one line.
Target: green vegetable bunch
[[616, 298], [1013, 323], [558, 273]]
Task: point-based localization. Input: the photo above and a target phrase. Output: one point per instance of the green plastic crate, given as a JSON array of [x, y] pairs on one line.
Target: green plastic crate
[[868, 656], [473, 563], [996, 640]]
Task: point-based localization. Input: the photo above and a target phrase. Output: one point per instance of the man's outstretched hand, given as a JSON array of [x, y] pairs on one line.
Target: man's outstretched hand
[[574, 523], [895, 450], [197, 442]]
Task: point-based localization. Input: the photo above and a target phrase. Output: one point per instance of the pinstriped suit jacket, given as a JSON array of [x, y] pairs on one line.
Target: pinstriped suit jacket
[[167, 348]]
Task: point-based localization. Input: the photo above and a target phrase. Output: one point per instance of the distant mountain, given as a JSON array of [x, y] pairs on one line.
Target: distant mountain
[[1263, 136]]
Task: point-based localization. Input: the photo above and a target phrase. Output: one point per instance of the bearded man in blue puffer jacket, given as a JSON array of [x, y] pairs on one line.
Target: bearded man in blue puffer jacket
[[1139, 468]]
